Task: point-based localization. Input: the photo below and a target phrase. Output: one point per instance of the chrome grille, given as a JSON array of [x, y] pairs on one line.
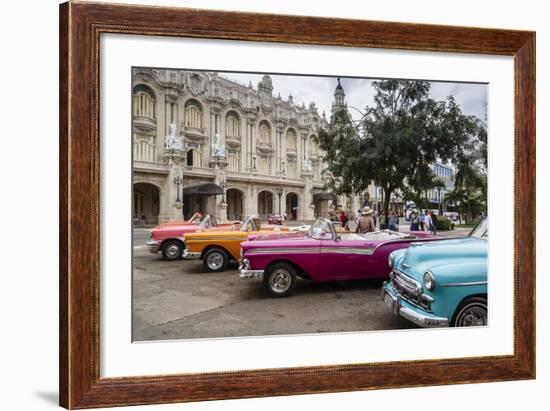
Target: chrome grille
[[410, 290]]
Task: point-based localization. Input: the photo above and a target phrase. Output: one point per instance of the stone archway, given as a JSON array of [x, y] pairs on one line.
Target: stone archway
[[235, 204], [291, 206], [265, 204], [146, 203]]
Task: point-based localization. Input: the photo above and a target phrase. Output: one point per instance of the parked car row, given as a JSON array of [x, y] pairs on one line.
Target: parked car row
[[431, 281]]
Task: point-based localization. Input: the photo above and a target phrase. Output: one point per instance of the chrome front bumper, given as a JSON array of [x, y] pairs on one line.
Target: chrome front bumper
[[153, 246], [399, 307], [245, 272], [189, 255]]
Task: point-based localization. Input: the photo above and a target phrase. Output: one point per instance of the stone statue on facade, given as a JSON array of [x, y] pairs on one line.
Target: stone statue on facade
[[218, 147], [307, 165], [172, 141]]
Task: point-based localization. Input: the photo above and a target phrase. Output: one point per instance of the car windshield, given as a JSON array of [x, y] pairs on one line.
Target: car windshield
[[320, 229], [250, 224], [206, 222], [480, 230], [195, 219]]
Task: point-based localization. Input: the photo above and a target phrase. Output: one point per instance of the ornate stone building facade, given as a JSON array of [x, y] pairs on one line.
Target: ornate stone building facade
[[194, 129]]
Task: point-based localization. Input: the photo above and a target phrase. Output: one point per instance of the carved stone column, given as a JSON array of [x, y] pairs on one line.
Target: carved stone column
[[307, 208], [169, 210], [219, 164]]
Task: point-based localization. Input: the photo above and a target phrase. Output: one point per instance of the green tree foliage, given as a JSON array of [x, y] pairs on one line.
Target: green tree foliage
[[398, 137]]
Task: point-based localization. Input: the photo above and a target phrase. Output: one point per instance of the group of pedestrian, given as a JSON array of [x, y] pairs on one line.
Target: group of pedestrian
[[424, 221], [343, 217]]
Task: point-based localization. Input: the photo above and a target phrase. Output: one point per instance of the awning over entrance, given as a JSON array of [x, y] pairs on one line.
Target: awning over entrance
[[323, 195], [208, 189]]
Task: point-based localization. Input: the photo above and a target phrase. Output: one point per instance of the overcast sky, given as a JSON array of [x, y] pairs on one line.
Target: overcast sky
[[471, 97]]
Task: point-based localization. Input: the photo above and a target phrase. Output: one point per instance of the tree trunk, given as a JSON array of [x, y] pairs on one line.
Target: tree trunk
[[387, 197]]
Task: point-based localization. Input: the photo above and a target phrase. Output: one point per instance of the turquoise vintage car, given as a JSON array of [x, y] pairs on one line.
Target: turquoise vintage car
[[442, 283]]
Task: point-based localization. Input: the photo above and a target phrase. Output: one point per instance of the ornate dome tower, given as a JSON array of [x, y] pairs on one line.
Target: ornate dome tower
[[266, 85], [339, 98]]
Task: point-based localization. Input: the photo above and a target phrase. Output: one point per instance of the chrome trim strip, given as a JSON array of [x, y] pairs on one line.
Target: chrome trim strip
[[238, 238], [314, 249], [282, 250], [463, 284], [348, 250]]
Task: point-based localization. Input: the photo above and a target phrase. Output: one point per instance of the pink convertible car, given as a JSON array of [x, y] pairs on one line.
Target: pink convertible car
[[322, 254], [168, 237]]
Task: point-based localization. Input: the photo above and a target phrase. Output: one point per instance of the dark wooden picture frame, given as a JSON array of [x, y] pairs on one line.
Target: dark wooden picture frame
[[80, 27]]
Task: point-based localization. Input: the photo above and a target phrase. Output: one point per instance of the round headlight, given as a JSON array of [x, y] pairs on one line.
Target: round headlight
[[390, 260], [429, 280]]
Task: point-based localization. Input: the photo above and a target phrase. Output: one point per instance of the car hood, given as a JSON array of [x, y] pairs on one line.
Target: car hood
[[227, 233], [420, 257]]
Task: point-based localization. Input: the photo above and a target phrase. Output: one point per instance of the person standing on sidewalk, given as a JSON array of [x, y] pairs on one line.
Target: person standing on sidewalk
[[422, 218], [427, 221], [393, 221], [415, 221], [366, 222], [433, 219]]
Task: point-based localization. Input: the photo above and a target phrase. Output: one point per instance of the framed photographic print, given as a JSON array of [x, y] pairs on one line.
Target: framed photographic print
[[260, 205]]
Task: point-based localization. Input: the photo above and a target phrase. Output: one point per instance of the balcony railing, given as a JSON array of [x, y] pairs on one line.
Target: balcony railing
[[145, 123], [291, 152], [265, 147], [233, 141]]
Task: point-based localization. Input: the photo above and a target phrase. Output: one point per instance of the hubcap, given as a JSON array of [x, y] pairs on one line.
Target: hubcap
[[473, 315], [172, 251], [280, 281], [215, 261]]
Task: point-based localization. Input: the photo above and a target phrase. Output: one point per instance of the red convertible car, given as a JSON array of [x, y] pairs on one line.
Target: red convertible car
[[275, 219], [322, 254], [168, 237]]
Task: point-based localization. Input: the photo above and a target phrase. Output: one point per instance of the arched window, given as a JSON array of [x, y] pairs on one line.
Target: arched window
[[193, 114], [291, 168], [313, 146], [291, 139], [234, 160], [144, 147], [265, 132], [232, 125], [265, 165], [144, 102]]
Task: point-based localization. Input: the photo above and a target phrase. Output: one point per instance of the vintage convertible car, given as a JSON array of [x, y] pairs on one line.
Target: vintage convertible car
[[441, 284], [195, 219], [217, 247], [325, 253], [168, 237]]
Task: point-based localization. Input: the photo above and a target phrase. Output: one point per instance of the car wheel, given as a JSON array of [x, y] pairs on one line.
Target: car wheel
[[471, 312], [215, 260], [172, 250], [280, 280]]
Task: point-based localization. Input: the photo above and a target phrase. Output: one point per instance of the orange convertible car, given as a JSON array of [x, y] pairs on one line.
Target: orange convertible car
[[217, 247]]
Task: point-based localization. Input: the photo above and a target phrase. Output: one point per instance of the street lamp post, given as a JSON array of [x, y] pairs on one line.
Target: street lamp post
[[178, 180], [439, 199], [222, 185], [280, 193]]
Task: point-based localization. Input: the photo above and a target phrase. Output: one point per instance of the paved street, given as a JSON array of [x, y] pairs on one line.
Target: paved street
[[178, 300]]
